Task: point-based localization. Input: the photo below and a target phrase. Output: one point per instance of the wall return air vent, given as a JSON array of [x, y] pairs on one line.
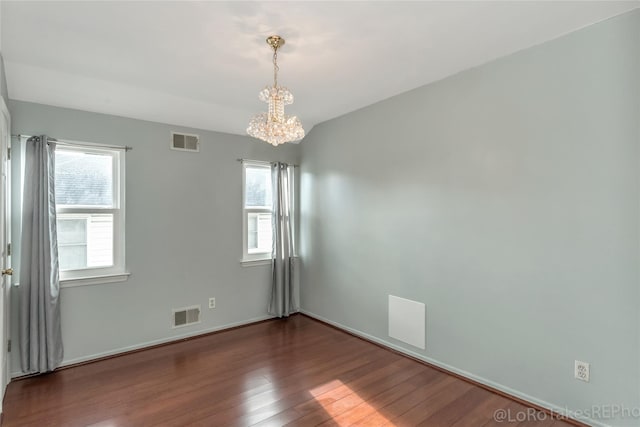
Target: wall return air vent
[[186, 316], [185, 142]]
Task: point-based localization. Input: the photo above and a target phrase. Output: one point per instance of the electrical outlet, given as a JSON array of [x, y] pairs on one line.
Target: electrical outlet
[[212, 303], [581, 371]]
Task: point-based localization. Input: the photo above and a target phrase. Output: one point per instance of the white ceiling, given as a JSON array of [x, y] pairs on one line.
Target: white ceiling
[[202, 64]]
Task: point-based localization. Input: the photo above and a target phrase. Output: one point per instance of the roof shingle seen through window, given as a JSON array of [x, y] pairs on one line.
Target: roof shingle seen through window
[[83, 179]]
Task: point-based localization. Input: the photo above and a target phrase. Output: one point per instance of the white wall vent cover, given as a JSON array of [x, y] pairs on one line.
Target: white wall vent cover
[[186, 316], [185, 142], [407, 321]]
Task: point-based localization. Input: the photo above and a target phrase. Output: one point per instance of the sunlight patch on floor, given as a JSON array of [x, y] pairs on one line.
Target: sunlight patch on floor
[[345, 406]]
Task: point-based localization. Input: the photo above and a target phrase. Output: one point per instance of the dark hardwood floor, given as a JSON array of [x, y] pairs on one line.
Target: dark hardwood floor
[[296, 372]]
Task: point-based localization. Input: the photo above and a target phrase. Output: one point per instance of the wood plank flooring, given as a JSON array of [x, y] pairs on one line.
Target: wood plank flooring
[[294, 372]]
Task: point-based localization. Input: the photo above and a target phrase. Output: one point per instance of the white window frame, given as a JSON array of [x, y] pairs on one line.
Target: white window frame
[[255, 258], [116, 272], [265, 257]]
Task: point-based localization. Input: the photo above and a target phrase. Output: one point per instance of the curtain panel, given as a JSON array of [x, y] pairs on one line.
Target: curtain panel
[[41, 347], [282, 302]]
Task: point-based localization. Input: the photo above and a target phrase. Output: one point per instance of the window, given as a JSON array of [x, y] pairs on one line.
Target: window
[[89, 184], [257, 201], [257, 231]]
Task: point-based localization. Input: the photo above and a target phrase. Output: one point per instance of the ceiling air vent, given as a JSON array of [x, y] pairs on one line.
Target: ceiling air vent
[[186, 316], [185, 142]]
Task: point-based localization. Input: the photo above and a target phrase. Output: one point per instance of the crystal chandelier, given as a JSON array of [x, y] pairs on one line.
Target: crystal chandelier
[[274, 126]]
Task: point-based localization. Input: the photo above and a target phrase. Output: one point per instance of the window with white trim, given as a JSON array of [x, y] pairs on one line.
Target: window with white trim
[[89, 187], [257, 236], [257, 205]]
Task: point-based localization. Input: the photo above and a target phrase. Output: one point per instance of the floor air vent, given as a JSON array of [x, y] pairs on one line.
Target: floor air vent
[[186, 316], [185, 142]]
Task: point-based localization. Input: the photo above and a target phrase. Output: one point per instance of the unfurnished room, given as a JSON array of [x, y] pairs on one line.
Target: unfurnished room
[[320, 213]]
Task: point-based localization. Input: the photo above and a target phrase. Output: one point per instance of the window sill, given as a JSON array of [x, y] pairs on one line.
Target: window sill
[[263, 261], [255, 262], [94, 280]]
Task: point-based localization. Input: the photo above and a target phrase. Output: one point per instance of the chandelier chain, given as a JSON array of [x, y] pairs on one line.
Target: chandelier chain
[[275, 67]]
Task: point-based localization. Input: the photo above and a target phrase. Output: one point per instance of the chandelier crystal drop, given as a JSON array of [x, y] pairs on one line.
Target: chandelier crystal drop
[[274, 126]]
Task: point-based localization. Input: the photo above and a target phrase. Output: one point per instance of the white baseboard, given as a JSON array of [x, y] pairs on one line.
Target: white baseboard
[[469, 375], [143, 345]]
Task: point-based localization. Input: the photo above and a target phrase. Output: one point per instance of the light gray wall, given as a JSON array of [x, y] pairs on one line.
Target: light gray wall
[[183, 222], [506, 198], [3, 80]]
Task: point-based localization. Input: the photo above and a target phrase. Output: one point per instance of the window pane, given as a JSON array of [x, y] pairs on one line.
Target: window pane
[[100, 241], [84, 179], [252, 232], [72, 257], [258, 187], [72, 230], [85, 241], [259, 233], [72, 243]]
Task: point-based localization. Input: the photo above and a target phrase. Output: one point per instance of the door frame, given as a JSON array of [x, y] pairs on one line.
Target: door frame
[[5, 255]]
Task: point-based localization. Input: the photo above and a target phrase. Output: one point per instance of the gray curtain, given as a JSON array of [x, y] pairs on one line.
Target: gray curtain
[[282, 298], [40, 334]]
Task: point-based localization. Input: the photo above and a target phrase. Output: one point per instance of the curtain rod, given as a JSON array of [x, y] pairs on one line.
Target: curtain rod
[[80, 143], [264, 162]]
